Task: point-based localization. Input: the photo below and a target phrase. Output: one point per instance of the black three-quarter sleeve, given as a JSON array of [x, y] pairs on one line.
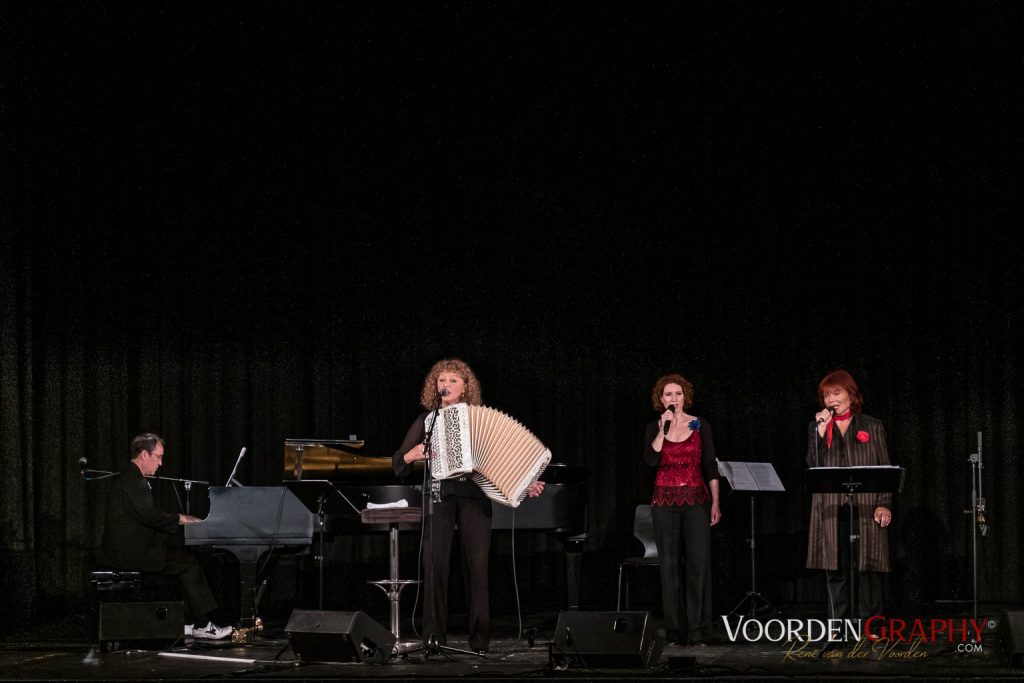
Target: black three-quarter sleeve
[[651, 456], [415, 435], [708, 455]]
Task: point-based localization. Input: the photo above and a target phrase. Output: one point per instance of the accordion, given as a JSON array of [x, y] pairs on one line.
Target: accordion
[[502, 456]]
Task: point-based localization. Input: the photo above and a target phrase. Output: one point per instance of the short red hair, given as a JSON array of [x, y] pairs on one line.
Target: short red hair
[[843, 380]]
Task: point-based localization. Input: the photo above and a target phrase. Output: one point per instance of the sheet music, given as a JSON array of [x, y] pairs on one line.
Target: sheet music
[[751, 476]]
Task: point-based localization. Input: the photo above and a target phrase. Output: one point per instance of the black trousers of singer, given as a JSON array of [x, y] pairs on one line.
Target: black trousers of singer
[[473, 516], [869, 584], [692, 524]]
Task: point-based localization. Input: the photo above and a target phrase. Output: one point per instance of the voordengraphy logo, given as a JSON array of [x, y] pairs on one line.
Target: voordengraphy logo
[[875, 637], [785, 630]]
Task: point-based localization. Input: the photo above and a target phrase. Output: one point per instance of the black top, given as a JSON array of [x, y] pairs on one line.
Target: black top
[[137, 533], [460, 486]]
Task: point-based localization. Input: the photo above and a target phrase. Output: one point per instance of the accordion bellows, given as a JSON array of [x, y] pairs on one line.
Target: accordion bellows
[[503, 457]]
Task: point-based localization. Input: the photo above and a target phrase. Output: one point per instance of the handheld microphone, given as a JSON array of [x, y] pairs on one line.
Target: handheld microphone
[[831, 412], [668, 423]]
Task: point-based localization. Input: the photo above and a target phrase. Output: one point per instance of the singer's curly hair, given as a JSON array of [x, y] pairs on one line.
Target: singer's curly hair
[[843, 380], [659, 387], [429, 397]]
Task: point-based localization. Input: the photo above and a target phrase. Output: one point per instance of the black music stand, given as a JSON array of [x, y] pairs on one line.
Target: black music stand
[[320, 497], [851, 480], [752, 477]]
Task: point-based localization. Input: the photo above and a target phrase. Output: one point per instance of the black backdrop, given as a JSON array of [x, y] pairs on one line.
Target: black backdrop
[[236, 224]]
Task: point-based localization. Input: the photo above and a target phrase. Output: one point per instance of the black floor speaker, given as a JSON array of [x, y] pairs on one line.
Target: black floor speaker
[[1011, 637], [326, 636], [149, 625], [614, 640]]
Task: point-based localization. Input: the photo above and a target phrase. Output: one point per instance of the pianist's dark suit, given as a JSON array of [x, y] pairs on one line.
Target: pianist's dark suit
[[137, 536], [462, 502]]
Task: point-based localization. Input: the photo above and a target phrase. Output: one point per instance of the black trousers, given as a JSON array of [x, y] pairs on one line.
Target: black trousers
[[673, 524], [838, 583], [473, 516], [195, 591]]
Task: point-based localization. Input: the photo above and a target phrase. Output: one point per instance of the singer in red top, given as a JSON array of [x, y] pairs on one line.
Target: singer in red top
[[684, 504], [841, 436]]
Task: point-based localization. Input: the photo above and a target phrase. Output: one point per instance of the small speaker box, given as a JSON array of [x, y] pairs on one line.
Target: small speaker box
[[148, 625], [614, 640], [326, 636], [1011, 637]]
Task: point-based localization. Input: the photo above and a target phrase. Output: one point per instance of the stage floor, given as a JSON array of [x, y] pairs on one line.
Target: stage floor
[[52, 652]]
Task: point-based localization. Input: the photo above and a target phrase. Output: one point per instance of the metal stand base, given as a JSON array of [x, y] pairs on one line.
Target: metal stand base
[[752, 595], [433, 648], [755, 599]]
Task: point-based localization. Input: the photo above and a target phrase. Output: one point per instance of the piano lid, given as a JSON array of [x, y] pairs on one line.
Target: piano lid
[[252, 515], [316, 459], [331, 443]]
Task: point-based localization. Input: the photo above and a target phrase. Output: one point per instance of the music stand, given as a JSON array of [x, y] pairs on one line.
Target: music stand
[[752, 477], [320, 497], [851, 480]]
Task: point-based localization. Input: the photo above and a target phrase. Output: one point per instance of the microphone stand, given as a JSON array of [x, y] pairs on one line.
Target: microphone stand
[[432, 492], [187, 483], [977, 513]]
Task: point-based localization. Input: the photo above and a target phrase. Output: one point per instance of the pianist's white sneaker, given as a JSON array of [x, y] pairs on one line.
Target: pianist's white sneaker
[[188, 629], [211, 631]]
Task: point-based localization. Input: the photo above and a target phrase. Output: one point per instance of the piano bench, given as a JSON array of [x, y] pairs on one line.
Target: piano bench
[[130, 585], [115, 581]]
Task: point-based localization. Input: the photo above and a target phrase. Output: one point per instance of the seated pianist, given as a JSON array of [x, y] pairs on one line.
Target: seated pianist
[[137, 534]]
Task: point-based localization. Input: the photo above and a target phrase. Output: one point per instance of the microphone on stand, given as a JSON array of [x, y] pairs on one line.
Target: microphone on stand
[[444, 391], [668, 423], [82, 464]]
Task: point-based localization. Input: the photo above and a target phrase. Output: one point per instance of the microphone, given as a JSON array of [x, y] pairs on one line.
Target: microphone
[[831, 412], [82, 464], [668, 423], [444, 391]]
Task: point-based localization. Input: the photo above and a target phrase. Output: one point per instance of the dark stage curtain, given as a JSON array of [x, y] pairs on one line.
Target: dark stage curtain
[[101, 340], [246, 224]]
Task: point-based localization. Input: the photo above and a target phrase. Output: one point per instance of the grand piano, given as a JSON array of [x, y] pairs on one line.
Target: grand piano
[[250, 522], [561, 511]]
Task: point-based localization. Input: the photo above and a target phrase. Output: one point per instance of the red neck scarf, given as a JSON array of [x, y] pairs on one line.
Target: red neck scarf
[[835, 418]]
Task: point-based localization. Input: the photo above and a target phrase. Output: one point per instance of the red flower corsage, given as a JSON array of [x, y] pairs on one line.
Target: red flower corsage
[[863, 436]]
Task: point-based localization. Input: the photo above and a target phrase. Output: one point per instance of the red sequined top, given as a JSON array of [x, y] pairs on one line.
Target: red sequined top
[[679, 480]]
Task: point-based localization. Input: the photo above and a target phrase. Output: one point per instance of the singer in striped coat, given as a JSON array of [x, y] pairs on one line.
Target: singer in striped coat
[[842, 436]]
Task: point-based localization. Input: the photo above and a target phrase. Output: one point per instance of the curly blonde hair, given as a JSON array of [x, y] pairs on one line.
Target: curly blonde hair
[[429, 398], [665, 380]]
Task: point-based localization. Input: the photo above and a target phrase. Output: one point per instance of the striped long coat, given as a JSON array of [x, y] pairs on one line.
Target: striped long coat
[[822, 550]]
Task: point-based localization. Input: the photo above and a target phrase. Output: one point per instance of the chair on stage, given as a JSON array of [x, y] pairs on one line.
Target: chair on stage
[[643, 531]]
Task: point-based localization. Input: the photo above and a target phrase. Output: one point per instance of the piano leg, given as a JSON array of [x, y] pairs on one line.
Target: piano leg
[[573, 560], [247, 558]]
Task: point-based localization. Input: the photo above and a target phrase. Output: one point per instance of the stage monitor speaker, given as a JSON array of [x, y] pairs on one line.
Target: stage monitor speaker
[[326, 636], [1011, 636], [614, 640], [126, 625]]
